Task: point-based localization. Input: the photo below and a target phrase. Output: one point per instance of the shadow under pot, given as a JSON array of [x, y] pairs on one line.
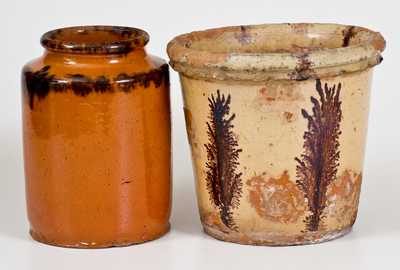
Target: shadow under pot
[[97, 139], [276, 117]]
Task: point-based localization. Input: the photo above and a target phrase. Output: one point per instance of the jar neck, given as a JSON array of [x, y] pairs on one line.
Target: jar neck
[[67, 58], [95, 39]]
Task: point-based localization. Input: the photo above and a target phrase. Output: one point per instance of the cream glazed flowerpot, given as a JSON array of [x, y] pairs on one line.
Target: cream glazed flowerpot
[[276, 117]]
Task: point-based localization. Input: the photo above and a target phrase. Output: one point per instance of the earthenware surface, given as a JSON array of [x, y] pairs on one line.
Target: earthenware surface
[[373, 244], [276, 117]]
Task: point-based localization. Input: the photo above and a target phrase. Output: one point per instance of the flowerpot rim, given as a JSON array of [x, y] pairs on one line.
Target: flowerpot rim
[[288, 51], [94, 39]]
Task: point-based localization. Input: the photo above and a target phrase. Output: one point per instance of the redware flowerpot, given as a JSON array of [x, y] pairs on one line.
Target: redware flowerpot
[[276, 117], [96, 131]]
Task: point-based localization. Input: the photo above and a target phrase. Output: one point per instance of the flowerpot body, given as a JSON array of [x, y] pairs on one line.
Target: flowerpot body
[[96, 132], [277, 149]]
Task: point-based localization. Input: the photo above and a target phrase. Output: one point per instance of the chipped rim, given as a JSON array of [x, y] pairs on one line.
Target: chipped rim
[[359, 49]]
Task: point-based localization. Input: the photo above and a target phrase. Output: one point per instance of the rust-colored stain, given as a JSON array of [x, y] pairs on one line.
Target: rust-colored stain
[[270, 94], [283, 100], [267, 94], [191, 134], [299, 28], [213, 220], [297, 49], [343, 196], [188, 120], [289, 116], [276, 199]]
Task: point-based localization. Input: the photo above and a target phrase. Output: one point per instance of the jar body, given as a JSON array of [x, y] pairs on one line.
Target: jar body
[[276, 116], [97, 148], [278, 162]]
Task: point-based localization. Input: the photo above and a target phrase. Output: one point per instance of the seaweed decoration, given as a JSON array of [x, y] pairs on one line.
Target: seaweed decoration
[[317, 166], [224, 184]]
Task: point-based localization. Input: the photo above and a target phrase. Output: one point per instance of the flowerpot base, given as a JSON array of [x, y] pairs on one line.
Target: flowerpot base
[[274, 239], [93, 245]]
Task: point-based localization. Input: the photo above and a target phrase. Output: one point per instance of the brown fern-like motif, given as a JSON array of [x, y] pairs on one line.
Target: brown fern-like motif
[[317, 166], [224, 184]]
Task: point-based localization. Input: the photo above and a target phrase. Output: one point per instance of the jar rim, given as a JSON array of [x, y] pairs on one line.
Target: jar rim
[[291, 51], [94, 39]]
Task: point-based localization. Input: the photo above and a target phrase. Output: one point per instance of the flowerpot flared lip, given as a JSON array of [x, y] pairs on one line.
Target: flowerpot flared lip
[[286, 51], [94, 39]]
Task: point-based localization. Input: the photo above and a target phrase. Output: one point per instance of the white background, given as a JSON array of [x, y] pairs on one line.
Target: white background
[[374, 242]]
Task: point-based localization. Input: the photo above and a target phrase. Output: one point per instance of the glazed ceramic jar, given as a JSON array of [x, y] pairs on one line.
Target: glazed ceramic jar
[[96, 131], [276, 117]]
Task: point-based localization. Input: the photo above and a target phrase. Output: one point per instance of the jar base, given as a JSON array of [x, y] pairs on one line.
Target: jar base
[[275, 239], [94, 245]]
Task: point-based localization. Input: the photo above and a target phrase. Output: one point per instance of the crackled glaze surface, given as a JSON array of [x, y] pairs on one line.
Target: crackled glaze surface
[[96, 129], [279, 160], [269, 129]]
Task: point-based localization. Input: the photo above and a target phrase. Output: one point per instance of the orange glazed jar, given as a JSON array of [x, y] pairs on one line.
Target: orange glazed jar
[[97, 139]]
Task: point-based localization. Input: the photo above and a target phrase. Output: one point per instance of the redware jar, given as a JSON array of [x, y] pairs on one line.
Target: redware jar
[[96, 131]]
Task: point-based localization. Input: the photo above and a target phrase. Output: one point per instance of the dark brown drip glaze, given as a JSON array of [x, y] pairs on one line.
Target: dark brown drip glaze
[[40, 83], [348, 34]]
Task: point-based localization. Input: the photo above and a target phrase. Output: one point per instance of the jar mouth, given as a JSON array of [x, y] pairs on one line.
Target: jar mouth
[[276, 51], [95, 39]]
